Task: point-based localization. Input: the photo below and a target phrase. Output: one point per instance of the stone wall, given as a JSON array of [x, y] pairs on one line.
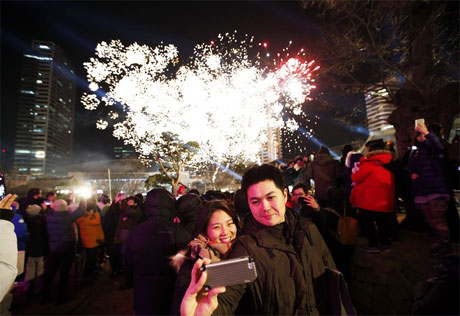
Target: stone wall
[[383, 283]]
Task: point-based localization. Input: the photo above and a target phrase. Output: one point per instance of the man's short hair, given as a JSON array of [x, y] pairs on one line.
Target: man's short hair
[[51, 193], [376, 144], [300, 185], [33, 192], [262, 173]]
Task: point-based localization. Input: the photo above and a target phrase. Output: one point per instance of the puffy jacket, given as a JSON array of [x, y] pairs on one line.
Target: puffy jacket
[[37, 245], [325, 171], [428, 163], [148, 248], [8, 257], [374, 188], [61, 229], [20, 228], [90, 227], [288, 261]]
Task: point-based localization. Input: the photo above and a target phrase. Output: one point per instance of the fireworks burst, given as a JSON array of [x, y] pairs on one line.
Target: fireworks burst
[[222, 98]]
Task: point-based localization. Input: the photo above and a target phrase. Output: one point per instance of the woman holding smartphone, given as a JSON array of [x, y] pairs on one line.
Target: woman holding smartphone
[[215, 231]]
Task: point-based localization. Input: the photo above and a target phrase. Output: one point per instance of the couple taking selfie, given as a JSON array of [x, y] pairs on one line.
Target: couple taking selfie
[[292, 260]]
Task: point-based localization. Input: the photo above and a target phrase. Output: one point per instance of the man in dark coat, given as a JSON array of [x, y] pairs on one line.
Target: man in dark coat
[[325, 171], [288, 250], [62, 241], [148, 249]]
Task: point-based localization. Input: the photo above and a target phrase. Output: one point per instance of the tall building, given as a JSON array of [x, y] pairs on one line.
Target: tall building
[[272, 149], [378, 109], [46, 111]]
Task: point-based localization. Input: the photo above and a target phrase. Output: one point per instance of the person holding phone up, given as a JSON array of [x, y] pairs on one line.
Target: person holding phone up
[[288, 251], [429, 185], [215, 231]]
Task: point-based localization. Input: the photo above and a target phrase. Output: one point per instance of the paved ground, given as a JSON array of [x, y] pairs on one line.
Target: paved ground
[[97, 296], [101, 295]]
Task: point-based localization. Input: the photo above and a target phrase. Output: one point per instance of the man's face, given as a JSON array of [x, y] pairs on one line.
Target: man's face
[[299, 192], [267, 203]]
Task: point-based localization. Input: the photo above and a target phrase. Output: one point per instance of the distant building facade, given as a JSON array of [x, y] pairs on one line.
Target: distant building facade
[[123, 152], [46, 112], [272, 148], [378, 109]]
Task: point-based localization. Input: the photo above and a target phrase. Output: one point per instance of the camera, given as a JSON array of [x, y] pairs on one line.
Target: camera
[[306, 210]]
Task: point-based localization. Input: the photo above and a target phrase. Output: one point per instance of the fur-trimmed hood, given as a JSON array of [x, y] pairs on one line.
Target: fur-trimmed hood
[[384, 156]]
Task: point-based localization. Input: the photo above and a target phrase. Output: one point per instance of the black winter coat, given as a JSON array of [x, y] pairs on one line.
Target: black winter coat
[[37, 244], [427, 162], [287, 263], [148, 249]]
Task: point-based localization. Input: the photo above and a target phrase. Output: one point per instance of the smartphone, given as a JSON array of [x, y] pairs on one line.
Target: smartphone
[[420, 122], [2, 186], [230, 272]]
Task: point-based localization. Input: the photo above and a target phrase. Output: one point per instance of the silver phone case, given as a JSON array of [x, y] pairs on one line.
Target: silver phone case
[[230, 272]]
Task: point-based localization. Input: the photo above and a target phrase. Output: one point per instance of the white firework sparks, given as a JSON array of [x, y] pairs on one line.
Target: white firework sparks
[[222, 99]]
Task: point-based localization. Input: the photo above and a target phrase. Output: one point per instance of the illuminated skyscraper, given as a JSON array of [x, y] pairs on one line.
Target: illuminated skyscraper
[[378, 109], [272, 149], [46, 110]]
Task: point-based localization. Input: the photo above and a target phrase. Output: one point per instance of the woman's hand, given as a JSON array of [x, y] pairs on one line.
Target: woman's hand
[[7, 201], [196, 300]]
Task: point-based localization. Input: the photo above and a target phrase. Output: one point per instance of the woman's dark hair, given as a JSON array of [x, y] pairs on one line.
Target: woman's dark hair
[[91, 204], [206, 212]]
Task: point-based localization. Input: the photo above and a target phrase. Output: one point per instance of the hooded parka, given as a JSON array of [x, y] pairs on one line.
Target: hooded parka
[[148, 248], [374, 188]]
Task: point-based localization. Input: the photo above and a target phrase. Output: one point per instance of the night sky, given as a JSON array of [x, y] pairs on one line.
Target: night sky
[[77, 27]]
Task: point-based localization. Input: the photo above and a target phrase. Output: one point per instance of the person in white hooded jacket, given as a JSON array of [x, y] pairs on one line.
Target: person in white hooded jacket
[[8, 246]]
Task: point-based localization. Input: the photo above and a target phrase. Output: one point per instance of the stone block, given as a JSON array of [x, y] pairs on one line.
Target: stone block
[[361, 295], [372, 276], [381, 301], [362, 259], [400, 286], [387, 265], [400, 306]]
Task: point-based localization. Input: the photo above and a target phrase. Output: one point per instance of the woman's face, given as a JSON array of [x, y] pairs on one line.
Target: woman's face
[[221, 227]]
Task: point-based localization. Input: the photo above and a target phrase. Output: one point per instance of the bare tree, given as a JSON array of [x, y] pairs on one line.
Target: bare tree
[[172, 155], [409, 48]]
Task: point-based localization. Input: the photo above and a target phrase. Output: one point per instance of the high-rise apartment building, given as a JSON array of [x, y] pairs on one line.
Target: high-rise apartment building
[[46, 110], [378, 109], [272, 149]]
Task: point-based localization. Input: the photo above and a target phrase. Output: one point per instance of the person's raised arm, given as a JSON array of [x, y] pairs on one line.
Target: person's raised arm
[[196, 300]]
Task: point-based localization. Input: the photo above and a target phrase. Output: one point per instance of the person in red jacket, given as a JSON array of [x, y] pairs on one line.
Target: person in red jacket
[[373, 194]]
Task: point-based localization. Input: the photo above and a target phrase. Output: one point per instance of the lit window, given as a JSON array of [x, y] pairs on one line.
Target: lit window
[[39, 81], [44, 47], [39, 57], [22, 151], [28, 92], [40, 154]]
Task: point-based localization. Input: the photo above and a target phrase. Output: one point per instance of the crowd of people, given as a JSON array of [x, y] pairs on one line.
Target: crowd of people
[[284, 217]]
